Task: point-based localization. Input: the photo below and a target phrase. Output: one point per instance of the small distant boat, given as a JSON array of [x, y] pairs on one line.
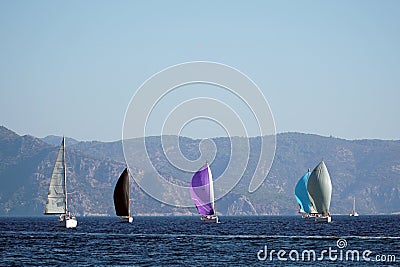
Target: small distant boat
[[202, 193], [57, 197], [354, 213], [305, 207], [121, 197], [319, 188]]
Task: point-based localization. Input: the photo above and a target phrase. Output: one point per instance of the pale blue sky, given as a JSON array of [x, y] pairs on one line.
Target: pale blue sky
[[325, 67]]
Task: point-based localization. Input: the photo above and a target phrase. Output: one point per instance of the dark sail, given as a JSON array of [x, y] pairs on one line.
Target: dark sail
[[121, 194]]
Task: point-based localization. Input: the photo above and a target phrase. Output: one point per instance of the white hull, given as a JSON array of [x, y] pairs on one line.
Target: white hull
[[126, 219], [71, 223], [210, 219], [324, 219], [68, 222], [354, 214]]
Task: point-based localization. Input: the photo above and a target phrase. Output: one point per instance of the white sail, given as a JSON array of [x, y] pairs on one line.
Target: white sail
[[354, 212], [56, 198], [211, 188]]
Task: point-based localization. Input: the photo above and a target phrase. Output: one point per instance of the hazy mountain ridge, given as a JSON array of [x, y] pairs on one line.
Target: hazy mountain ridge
[[368, 169]]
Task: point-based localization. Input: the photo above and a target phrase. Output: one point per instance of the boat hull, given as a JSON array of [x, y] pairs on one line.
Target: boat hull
[[210, 219], [126, 219], [308, 216], [323, 219], [69, 223]]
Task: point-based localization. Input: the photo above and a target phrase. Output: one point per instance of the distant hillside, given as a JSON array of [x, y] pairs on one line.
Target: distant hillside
[[366, 169]]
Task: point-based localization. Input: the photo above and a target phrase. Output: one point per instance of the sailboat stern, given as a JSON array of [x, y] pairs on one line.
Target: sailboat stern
[[71, 222], [323, 219], [126, 219], [210, 219]]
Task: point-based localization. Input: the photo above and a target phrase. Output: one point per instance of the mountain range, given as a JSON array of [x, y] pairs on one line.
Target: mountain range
[[369, 170]]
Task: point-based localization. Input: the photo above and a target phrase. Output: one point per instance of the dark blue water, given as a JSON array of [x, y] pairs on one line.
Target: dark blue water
[[185, 241]]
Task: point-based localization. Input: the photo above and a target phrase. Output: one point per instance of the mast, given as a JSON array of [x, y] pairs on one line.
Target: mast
[[65, 178], [129, 192], [354, 204]]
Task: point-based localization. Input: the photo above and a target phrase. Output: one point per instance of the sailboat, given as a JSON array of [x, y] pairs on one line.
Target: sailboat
[[202, 193], [354, 213], [319, 188], [306, 209], [121, 197], [57, 197]]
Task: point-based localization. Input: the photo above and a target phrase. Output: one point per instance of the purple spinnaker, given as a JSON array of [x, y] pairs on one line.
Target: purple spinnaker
[[200, 191]]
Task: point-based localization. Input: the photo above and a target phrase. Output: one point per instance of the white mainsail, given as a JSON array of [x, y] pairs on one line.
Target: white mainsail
[[211, 189], [57, 196]]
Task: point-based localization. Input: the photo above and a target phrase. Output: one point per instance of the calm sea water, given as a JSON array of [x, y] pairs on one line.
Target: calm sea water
[[185, 241]]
